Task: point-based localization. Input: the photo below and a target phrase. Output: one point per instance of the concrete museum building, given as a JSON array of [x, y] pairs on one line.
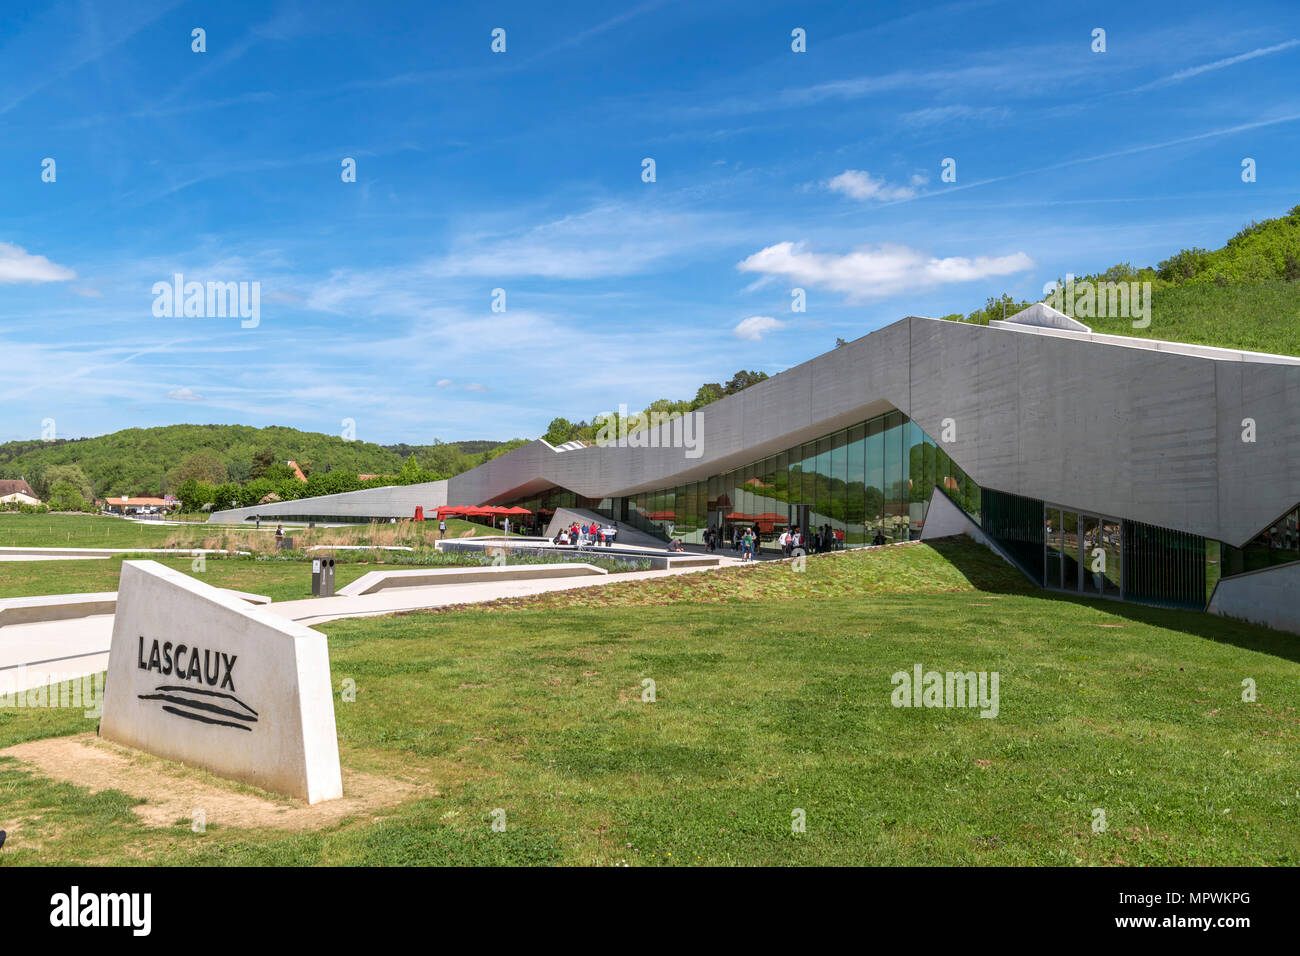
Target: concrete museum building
[[1120, 467]]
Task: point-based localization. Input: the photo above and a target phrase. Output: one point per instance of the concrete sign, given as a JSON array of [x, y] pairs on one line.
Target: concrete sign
[[199, 676]]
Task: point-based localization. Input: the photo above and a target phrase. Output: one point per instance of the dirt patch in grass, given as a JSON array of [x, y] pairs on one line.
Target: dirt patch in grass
[[172, 793]]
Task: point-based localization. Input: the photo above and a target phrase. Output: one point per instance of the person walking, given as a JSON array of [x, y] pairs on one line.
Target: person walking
[[442, 528]]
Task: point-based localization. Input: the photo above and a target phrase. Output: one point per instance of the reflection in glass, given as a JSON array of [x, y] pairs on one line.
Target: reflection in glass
[[854, 488], [1070, 550], [1093, 556], [1053, 544], [1112, 582]]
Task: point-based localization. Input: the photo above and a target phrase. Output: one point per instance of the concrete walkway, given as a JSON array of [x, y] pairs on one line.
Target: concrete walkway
[[311, 611], [34, 655]]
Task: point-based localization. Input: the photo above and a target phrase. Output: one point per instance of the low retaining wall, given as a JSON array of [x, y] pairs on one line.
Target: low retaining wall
[[658, 560], [55, 607], [66, 607], [1266, 596], [427, 577]]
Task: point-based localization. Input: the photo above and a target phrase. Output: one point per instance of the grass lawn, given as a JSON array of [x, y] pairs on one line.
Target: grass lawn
[[282, 579], [772, 694], [278, 580], [83, 531], [99, 531]]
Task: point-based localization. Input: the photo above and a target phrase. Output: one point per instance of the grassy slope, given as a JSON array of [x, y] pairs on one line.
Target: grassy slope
[[775, 698], [1257, 316]]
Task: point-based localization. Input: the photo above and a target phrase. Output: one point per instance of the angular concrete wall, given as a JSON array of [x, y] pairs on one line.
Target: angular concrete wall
[[396, 501], [1267, 597]]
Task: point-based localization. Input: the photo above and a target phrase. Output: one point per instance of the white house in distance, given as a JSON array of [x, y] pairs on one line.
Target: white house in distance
[[126, 505], [17, 491]]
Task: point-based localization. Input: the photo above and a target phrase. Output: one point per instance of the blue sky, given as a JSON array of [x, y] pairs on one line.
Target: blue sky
[[522, 171]]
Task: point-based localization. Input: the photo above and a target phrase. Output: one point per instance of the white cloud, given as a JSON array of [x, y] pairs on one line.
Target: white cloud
[[860, 184], [954, 113], [877, 270], [1219, 64], [475, 387], [19, 265], [612, 239], [443, 382], [755, 327], [184, 395]]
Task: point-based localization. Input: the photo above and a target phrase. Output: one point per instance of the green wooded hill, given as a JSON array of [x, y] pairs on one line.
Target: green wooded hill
[[1243, 295], [144, 461]]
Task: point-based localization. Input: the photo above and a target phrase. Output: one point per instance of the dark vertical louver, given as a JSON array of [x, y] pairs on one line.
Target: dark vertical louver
[[1162, 566], [1016, 523]]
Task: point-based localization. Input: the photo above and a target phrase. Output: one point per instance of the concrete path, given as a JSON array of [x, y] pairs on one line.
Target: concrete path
[[34, 655], [319, 610]]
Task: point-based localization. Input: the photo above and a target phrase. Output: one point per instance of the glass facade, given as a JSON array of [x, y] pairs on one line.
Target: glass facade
[[1279, 544], [872, 482], [868, 482], [1163, 566], [1017, 523]]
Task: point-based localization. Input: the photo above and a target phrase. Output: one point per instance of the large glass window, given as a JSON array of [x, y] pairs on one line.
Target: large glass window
[[1164, 566], [1109, 542], [919, 455], [1093, 556], [855, 488], [808, 466], [1052, 577], [868, 482], [894, 520], [822, 494], [839, 458], [1278, 544], [874, 496], [1070, 550]]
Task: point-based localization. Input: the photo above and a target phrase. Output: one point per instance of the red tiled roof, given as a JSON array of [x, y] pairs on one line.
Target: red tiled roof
[[15, 486]]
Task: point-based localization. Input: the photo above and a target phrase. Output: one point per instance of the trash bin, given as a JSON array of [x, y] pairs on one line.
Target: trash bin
[[327, 577], [316, 572]]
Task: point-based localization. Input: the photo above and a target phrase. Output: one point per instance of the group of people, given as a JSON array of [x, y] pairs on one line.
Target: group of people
[[818, 541], [745, 540], [587, 534], [748, 539]]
